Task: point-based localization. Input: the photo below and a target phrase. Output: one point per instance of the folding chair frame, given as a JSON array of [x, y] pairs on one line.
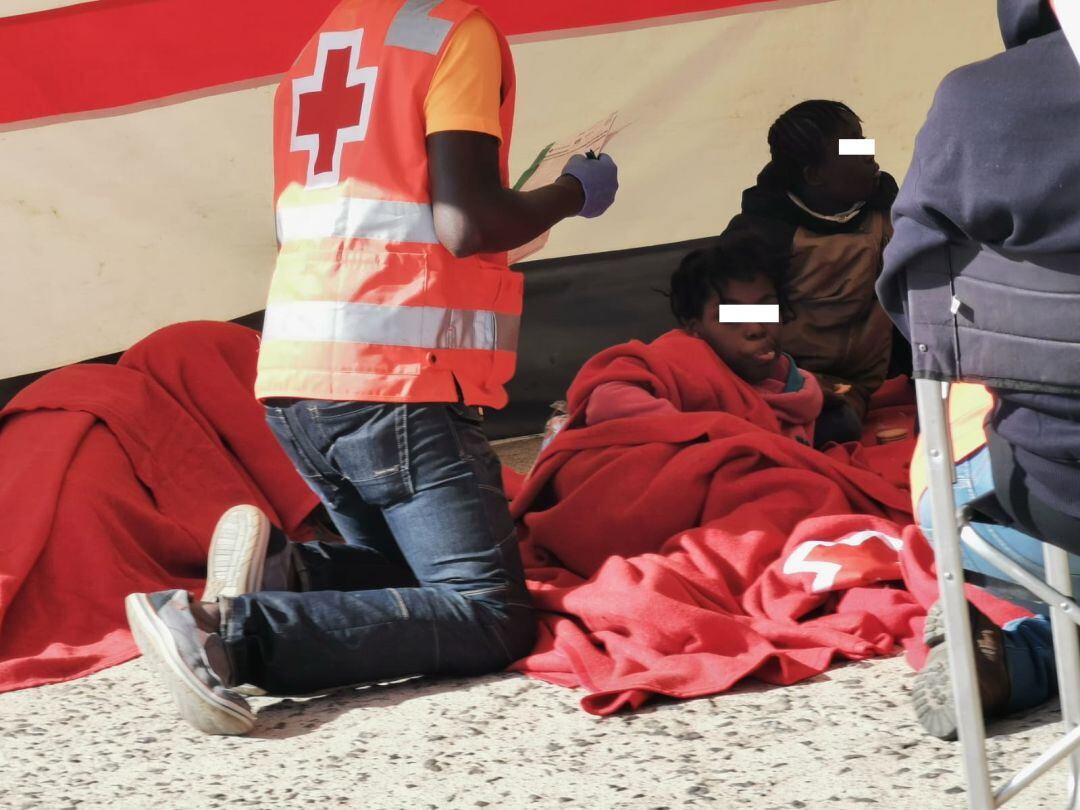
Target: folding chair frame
[[949, 528]]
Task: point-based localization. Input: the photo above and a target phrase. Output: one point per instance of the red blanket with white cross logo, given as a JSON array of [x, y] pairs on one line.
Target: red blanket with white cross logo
[[679, 552]]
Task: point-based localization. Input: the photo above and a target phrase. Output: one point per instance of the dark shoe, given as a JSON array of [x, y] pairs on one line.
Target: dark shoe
[[932, 693], [174, 646]]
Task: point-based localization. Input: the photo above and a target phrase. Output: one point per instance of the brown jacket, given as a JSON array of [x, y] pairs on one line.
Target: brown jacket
[[835, 326]]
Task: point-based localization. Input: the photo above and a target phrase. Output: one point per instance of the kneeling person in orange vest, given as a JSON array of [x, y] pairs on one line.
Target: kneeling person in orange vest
[[392, 321]]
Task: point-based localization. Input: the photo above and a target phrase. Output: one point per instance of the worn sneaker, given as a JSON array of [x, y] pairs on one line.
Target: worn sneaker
[[234, 565], [932, 693], [174, 646]]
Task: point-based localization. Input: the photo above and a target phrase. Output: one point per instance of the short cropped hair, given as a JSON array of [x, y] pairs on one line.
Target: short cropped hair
[[738, 256], [803, 137]]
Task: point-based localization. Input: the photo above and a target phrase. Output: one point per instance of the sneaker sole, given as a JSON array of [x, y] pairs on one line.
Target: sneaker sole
[[932, 696], [198, 705], [934, 629], [931, 693], [237, 555]]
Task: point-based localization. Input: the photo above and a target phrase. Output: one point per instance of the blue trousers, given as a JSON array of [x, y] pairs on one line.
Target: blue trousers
[[1029, 649], [409, 486]]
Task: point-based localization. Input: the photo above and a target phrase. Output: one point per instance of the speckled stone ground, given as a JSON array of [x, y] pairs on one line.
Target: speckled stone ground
[[518, 453], [845, 739]]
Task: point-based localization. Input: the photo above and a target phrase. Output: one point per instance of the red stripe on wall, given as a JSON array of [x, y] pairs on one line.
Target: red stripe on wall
[[114, 53], [118, 52]]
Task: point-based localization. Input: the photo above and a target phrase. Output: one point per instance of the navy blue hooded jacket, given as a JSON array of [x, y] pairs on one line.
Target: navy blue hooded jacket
[[998, 163]]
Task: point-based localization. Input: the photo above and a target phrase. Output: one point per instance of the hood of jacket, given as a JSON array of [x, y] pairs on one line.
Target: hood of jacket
[[1024, 20]]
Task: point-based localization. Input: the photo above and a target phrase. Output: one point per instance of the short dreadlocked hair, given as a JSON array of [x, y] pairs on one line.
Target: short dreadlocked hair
[[738, 256], [803, 136]]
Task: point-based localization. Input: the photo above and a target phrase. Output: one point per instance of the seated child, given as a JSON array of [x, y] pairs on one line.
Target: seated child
[[826, 218], [735, 271]]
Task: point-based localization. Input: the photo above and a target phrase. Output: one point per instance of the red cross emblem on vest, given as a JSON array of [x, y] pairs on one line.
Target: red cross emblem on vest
[[332, 107]]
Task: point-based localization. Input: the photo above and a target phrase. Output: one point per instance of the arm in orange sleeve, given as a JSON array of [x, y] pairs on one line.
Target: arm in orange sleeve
[[465, 93], [474, 212]]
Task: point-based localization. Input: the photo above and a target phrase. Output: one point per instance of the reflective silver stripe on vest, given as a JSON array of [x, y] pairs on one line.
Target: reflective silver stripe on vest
[[414, 27], [418, 327], [355, 218]]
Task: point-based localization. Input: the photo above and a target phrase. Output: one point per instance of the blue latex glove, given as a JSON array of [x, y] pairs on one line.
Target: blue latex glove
[[599, 178]]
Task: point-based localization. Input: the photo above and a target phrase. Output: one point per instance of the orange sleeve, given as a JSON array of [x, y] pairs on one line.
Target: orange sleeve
[[466, 90]]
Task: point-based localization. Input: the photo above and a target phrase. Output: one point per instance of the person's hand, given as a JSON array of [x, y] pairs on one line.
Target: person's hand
[[835, 393], [599, 179]]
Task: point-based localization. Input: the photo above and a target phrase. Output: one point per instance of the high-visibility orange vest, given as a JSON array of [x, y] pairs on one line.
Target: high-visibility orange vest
[[365, 303]]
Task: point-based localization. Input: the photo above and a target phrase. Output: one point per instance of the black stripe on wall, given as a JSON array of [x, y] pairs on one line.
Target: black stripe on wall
[[575, 306]]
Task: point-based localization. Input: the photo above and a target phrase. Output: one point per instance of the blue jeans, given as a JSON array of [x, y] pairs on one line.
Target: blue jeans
[[409, 485], [1029, 649]]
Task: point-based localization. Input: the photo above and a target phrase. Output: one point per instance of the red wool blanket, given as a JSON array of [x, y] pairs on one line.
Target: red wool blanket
[[679, 552], [111, 481], [669, 554]]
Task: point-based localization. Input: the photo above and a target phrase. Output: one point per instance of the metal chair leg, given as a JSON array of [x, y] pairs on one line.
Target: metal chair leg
[[1067, 656], [1063, 616], [932, 400], [1015, 572]]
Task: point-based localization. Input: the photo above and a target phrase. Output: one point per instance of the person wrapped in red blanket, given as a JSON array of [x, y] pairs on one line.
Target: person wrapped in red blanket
[[733, 275], [679, 534], [112, 479]]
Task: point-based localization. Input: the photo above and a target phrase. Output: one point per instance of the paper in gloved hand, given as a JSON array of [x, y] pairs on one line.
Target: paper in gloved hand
[[548, 164]]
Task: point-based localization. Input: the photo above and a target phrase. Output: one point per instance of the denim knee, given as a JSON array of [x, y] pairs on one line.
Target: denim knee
[[521, 631], [512, 628]]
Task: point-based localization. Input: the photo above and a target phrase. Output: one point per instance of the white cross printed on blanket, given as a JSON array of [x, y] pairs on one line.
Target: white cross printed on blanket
[[825, 558]]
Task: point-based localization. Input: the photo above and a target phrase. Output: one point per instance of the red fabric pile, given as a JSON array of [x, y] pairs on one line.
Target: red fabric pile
[[111, 481], [678, 552], [673, 553]]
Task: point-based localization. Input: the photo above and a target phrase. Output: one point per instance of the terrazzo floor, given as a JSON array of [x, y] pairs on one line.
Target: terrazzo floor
[[846, 739]]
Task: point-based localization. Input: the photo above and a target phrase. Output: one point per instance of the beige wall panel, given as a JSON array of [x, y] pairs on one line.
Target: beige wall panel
[[14, 7], [118, 225], [697, 100]]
